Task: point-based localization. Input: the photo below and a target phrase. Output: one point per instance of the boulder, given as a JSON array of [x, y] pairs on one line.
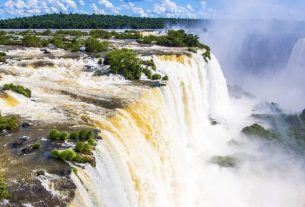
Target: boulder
[[27, 150], [25, 125], [40, 173], [19, 142]]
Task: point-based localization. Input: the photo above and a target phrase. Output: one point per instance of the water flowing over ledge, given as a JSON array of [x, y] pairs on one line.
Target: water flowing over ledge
[[145, 158]]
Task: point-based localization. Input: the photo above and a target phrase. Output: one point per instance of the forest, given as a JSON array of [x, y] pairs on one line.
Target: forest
[[93, 21]]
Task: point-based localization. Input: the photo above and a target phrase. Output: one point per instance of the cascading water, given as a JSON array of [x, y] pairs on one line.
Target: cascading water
[[157, 151], [157, 147], [145, 158]]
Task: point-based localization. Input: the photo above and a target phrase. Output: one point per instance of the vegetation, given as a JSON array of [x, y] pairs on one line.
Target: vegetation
[[192, 49], [94, 45], [18, 89], [174, 38], [71, 155], [302, 116], [2, 57], [83, 147], [259, 131], [156, 76], [36, 146], [33, 41], [58, 42], [125, 62], [224, 161], [4, 193], [207, 54], [9, 123], [94, 21], [165, 78]]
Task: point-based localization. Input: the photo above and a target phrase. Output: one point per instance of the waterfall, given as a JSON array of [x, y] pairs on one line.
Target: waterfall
[[151, 149]]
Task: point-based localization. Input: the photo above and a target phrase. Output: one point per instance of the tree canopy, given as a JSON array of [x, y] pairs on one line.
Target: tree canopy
[[93, 21]]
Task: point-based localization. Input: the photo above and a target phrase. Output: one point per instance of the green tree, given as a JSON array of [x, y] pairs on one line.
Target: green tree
[[125, 62]]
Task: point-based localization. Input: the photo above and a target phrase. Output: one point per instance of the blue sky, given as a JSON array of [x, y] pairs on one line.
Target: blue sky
[[153, 8], [156, 8]]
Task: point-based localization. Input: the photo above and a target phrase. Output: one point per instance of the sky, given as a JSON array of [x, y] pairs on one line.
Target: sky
[[143, 8], [150, 8]]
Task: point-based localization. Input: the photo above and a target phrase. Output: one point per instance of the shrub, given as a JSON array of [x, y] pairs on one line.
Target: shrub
[[87, 149], [259, 131], [148, 62], [100, 34], [83, 147], [224, 161], [47, 32], [68, 155], [64, 136], [74, 45], [125, 62], [36, 146], [55, 154], [58, 42], [165, 78], [148, 73], [156, 76], [148, 39], [83, 134], [54, 134], [92, 142], [9, 123], [73, 135], [4, 193], [80, 158], [90, 134], [18, 89], [93, 45], [80, 147], [31, 41], [192, 49], [2, 57], [74, 169]]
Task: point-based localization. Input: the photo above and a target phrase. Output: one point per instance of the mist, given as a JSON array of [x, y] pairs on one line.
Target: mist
[[260, 47]]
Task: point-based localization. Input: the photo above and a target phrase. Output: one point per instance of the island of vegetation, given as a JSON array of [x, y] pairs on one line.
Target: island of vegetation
[[93, 21], [84, 140]]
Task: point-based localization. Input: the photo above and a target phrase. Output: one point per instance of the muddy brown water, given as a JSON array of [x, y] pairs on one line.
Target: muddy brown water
[[20, 170]]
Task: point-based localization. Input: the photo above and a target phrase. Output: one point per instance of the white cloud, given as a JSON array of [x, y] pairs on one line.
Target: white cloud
[[82, 3], [134, 9], [96, 10], [109, 6], [169, 8], [30, 7]]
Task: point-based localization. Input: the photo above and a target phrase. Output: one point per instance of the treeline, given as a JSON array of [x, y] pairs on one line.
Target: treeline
[[93, 21]]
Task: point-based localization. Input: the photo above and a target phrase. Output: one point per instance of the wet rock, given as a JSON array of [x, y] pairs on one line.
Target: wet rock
[[224, 161], [27, 150], [25, 125], [40, 173], [96, 131], [82, 49], [45, 51], [213, 121], [19, 142]]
